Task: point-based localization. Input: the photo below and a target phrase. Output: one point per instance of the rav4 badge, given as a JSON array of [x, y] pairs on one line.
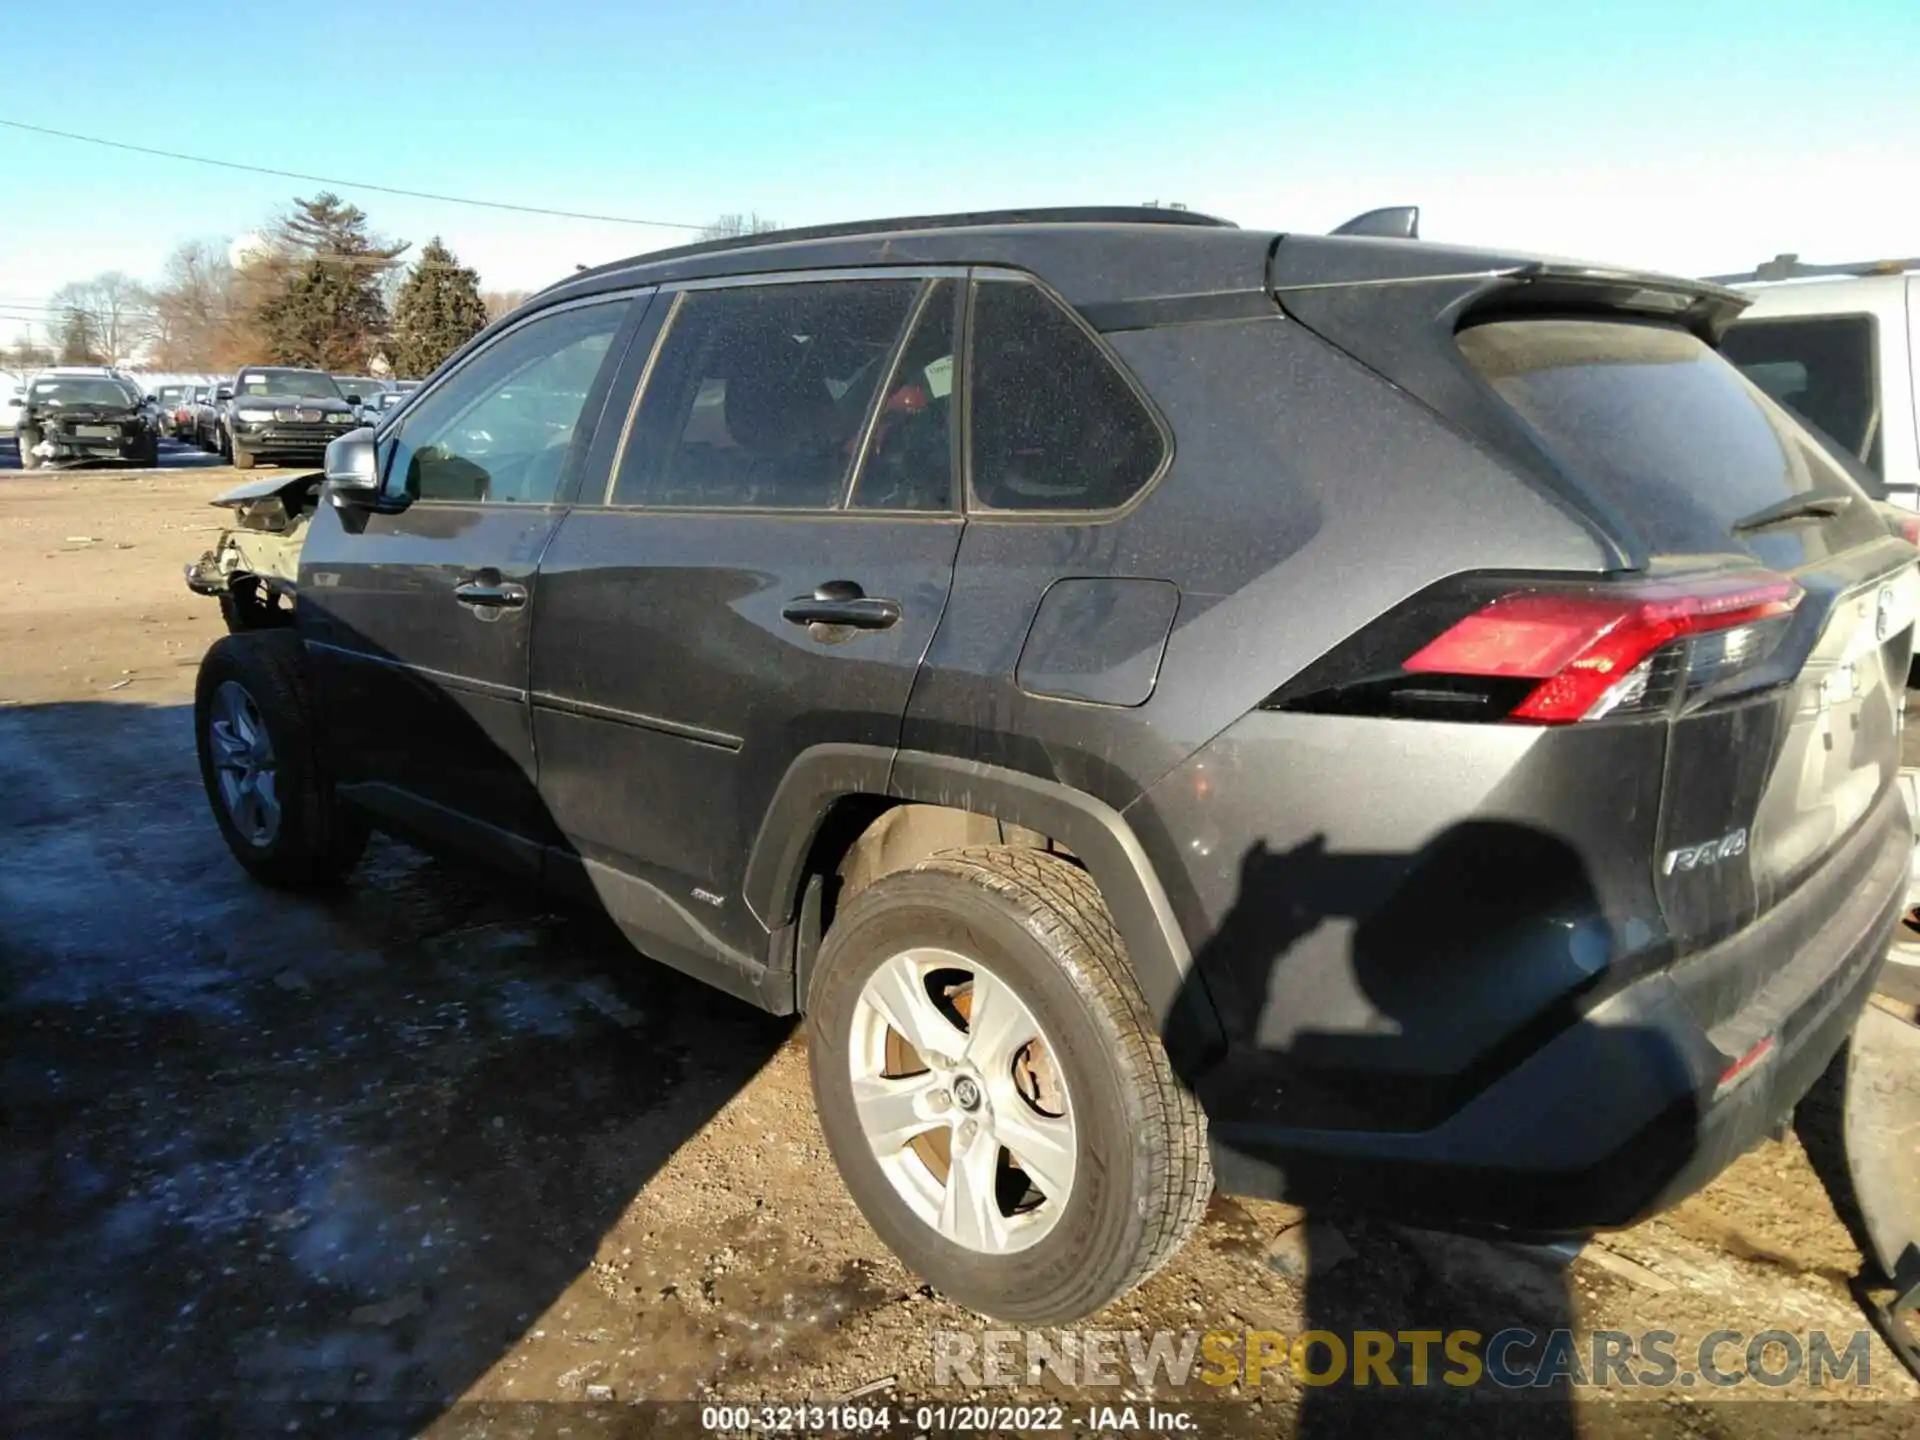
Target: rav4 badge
[[1711, 852]]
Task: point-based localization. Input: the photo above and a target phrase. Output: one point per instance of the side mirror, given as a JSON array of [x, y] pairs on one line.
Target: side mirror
[[353, 399], [353, 469], [222, 394], [14, 400], [153, 399]]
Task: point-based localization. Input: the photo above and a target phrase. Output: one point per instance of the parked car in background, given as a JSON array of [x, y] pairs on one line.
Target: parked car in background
[[209, 425], [1839, 345], [1381, 724], [284, 414], [75, 413], [376, 407], [358, 387], [175, 404]]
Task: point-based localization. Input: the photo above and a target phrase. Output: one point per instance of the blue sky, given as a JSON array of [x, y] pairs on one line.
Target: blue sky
[[1691, 137]]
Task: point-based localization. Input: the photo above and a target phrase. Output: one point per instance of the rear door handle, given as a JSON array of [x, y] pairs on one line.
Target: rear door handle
[[493, 595], [841, 602]]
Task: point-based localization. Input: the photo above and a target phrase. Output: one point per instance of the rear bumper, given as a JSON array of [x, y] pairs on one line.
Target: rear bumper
[[1623, 1112]]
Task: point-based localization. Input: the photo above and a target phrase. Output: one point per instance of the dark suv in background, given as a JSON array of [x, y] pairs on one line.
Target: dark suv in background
[[1382, 724], [277, 413]]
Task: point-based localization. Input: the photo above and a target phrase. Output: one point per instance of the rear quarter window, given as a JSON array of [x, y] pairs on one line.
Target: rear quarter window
[[1656, 421], [1056, 426]]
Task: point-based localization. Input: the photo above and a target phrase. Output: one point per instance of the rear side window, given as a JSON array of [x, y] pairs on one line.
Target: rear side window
[[1055, 425], [1821, 368], [1654, 420], [759, 394]]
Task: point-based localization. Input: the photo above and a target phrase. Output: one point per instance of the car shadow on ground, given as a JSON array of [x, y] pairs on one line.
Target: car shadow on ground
[[266, 1150], [1413, 927]]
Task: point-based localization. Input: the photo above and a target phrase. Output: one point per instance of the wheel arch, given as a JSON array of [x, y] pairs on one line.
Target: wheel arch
[[832, 795]]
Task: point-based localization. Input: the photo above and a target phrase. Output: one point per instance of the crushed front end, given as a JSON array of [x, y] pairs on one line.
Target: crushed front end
[[253, 567]]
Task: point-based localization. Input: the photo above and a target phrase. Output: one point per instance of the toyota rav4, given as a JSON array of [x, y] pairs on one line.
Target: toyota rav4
[[1344, 717]]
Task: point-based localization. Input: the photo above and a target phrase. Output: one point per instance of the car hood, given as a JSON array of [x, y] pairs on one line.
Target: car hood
[[292, 402], [290, 487], [86, 412]]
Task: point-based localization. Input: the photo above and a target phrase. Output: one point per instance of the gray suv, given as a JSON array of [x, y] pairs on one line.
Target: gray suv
[[1341, 717]]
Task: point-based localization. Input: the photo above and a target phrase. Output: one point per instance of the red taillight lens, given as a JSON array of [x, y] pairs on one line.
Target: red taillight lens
[[1910, 529], [1590, 648]]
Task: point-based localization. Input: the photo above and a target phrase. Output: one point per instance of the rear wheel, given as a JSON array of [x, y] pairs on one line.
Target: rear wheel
[[260, 763], [993, 1090]]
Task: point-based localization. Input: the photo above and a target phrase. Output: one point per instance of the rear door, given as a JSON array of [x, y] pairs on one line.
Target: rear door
[[762, 573], [420, 619]]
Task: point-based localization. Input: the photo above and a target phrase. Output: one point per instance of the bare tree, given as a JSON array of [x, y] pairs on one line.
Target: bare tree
[[197, 310], [117, 308], [503, 302], [733, 224]]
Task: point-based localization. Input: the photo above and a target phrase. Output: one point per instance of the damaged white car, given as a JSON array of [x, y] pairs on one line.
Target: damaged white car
[[254, 565]]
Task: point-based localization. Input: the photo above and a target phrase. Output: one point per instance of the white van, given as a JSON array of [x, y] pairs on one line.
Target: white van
[[1837, 344]]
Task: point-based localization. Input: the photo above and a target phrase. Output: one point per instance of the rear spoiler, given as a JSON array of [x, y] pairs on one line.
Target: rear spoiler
[[1455, 282]]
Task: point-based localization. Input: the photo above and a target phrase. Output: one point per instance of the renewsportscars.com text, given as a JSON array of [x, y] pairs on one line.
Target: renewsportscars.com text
[[1514, 1358]]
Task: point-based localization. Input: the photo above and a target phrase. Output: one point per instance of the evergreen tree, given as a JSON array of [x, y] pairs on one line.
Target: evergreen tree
[[323, 305], [79, 340], [438, 310]]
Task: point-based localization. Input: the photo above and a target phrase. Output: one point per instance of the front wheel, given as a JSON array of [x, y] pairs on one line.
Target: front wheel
[[260, 763], [27, 439], [242, 458], [993, 1089]]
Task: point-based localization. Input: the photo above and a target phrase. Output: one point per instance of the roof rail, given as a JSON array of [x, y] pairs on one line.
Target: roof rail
[[1392, 222], [1788, 267], [1043, 215]]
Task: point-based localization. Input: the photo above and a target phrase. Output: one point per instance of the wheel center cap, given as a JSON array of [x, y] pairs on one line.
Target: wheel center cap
[[966, 1094]]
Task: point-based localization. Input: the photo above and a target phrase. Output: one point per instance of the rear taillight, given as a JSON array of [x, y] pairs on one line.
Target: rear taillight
[[1910, 528], [1598, 651], [1555, 655]]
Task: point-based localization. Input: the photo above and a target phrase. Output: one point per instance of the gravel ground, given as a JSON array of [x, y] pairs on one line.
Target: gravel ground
[[403, 1158]]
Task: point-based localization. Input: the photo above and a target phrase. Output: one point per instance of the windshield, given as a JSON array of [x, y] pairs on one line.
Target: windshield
[[172, 392], [78, 390], [307, 384]]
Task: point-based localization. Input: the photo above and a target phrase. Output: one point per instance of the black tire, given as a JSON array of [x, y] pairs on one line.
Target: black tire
[[247, 606], [150, 452], [27, 439], [1040, 924], [319, 839], [242, 458]]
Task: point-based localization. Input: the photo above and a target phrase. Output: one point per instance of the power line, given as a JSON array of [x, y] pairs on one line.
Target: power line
[[343, 184]]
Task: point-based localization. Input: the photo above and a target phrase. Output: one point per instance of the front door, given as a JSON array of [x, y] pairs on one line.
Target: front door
[[764, 574], [420, 619]]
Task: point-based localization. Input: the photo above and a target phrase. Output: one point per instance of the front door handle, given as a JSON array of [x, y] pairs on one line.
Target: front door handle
[[492, 595], [841, 602]]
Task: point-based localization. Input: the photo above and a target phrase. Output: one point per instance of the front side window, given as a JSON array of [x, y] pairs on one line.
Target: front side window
[[759, 394], [499, 428], [1819, 367], [1055, 425]]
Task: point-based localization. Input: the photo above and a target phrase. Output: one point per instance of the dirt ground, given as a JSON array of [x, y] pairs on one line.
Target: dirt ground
[[394, 1160]]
